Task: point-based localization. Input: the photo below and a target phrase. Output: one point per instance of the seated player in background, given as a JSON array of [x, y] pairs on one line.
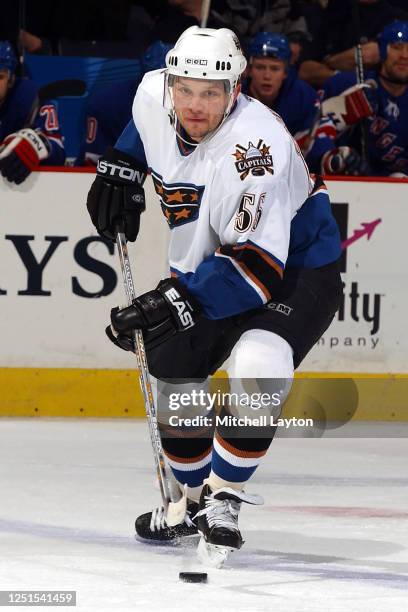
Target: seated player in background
[[29, 131], [253, 257], [382, 104], [110, 109], [272, 81], [333, 44]]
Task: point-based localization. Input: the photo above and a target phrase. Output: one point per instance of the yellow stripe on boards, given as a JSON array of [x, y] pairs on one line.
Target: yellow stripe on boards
[[52, 392], [61, 392]]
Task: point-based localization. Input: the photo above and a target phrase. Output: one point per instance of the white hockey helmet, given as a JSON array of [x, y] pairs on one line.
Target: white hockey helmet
[[206, 53]]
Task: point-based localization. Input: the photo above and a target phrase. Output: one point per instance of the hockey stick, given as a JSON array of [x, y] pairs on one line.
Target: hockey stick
[[21, 26], [205, 11], [175, 511], [358, 54]]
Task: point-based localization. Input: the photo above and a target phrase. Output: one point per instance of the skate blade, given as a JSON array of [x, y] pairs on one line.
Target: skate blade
[[187, 541], [212, 555]]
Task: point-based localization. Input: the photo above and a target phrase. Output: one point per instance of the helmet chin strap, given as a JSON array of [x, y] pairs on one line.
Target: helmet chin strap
[[177, 127]]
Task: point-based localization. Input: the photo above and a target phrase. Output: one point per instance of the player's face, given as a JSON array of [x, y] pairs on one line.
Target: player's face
[[199, 105], [267, 75], [396, 64], [4, 83]]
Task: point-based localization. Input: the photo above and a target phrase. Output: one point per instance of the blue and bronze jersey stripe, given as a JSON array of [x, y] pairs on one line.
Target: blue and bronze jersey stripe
[[257, 264]]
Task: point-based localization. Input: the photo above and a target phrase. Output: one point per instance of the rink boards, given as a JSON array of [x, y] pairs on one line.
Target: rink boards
[[58, 281]]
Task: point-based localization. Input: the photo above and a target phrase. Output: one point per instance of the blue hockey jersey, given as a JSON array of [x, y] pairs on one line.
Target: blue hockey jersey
[[108, 112], [20, 110], [297, 103], [387, 130]]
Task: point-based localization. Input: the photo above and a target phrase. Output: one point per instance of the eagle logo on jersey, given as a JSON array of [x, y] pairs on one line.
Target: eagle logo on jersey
[[255, 160], [180, 203]]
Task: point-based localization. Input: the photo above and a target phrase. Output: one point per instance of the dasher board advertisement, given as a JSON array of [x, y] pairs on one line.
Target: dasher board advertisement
[[59, 279]]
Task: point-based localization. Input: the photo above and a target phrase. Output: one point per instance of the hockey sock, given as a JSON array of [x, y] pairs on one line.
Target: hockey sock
[[186, 431], [237, 452], [189, 458]]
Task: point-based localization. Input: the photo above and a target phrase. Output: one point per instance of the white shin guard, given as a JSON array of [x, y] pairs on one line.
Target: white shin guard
[[262, 362]]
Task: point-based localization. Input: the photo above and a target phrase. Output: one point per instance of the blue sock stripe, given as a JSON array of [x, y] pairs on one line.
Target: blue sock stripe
[[192, 478], [225, 470]]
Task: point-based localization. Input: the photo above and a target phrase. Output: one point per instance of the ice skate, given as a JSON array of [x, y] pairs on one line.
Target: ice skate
[[152, 526], [217, 521]]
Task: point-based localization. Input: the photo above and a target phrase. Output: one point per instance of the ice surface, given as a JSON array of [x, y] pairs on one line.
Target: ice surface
[[332, 535]]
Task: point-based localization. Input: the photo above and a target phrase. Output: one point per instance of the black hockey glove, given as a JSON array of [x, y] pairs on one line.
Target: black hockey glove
[[116, 197], [160, 314]]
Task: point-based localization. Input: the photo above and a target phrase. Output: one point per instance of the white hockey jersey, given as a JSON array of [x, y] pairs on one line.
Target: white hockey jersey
[[229, 202]]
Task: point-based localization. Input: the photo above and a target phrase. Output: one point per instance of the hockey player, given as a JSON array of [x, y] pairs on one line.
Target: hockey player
[[29, 133], [110, 109], [275, 83], [253, 257], [272, 81], [383, 105]]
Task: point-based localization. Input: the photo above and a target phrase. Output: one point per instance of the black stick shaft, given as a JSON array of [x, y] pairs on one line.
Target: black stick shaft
[[359, 74], [21, 26]]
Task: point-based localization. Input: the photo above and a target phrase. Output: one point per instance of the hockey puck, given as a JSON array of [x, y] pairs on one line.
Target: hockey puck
[[193, 576]]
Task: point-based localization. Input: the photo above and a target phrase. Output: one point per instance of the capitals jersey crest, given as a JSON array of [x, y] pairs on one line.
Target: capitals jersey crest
[[180, 203], [255, 160]]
